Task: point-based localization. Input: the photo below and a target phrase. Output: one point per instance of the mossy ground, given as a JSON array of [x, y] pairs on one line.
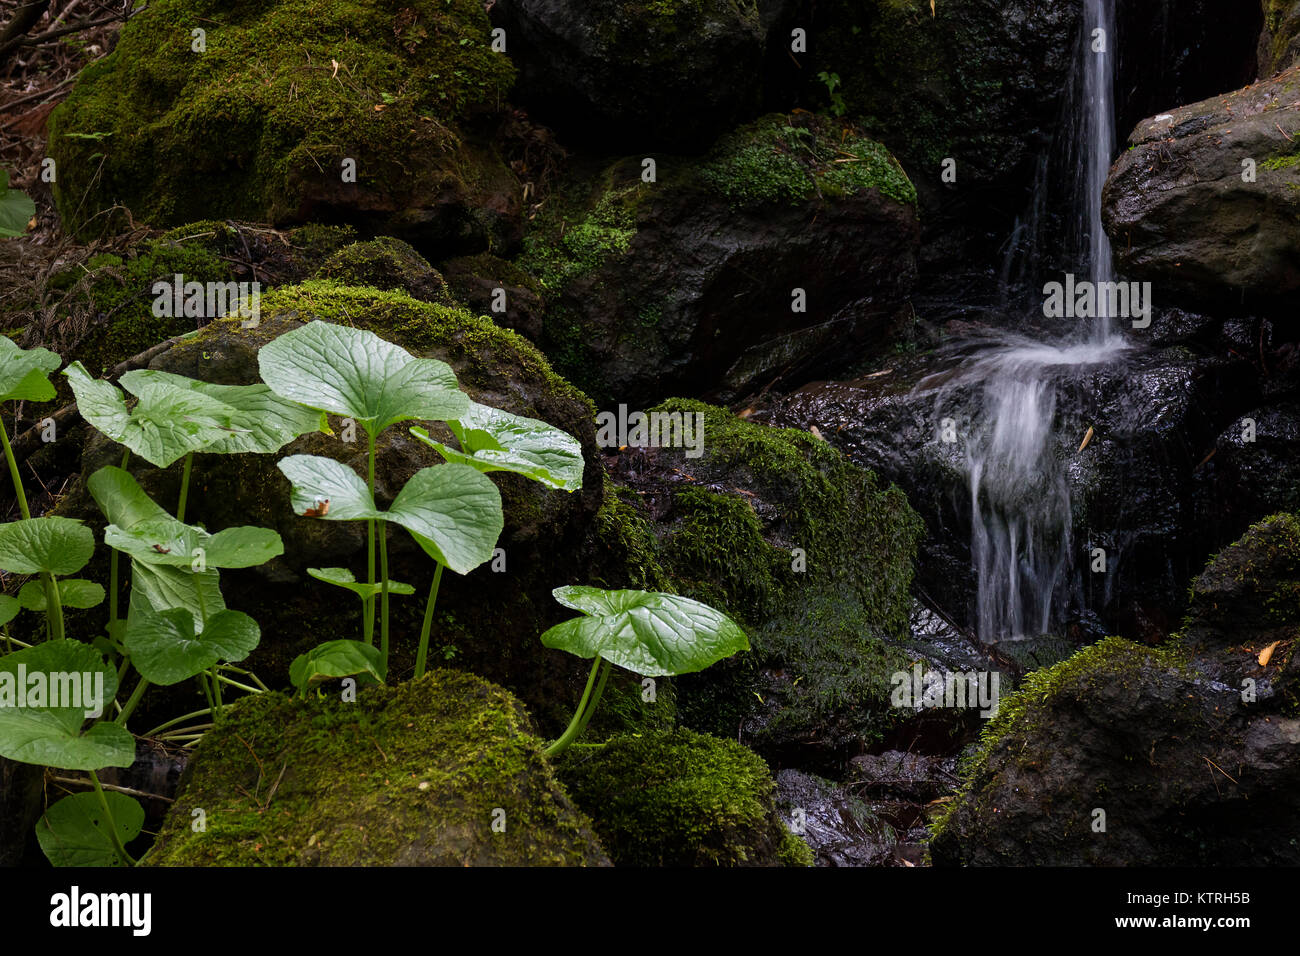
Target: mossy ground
[[681, 799], [412, 774], [284, 92]]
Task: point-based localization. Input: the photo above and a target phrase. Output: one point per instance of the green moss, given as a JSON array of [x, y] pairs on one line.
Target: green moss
[[386, 263], [575, 234], [1113, 661], [782, 159], [1281, 162], [409, 774], [285, 91], [680, 799], [491, 351]]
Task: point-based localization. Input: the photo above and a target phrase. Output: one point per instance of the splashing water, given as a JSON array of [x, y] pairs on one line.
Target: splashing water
[[1021, 517]]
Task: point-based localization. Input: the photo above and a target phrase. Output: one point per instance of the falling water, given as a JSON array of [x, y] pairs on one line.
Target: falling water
[[1021, 543]]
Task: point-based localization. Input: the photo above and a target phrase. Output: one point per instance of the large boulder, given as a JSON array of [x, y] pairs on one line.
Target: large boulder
[[440, 771], [650, 74], [811, 554], [1205, 202], [681, 799], [793, 240], [978, 82], [285, 111], [1131, 490], [1188, 754]]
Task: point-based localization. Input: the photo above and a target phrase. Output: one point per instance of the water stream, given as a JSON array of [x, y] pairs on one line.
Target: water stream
[[1021, 531]]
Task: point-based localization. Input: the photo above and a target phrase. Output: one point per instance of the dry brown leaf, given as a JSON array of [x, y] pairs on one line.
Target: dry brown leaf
[[1086, 438], [1266, 654]]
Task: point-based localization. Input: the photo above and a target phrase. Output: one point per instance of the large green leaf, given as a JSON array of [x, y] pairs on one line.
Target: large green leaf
[[168, 541], [167, 423], [336, 659], [160, 587], [647, 632], [165, 648], [50, 735], [344, 578], [263, 422], [495, 440], [75, 831], [453, 512], [50, 544], [316, 480], [24, 373], [355, 373], [121, 499], [73, 592]]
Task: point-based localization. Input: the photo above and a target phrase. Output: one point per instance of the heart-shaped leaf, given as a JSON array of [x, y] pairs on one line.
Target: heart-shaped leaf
[[73, 592], [121, 499], [154, 586], [75, 831], [336, 659], [74, 676], [263, 422], [9, 607], [24, 373], [165, 649], [452, 511], [355, 373], [160, 587], [51, 544], [316, 480], [454, 514], [495, 440], [344, 578], [167, 423], [170, 542], [647, 632]]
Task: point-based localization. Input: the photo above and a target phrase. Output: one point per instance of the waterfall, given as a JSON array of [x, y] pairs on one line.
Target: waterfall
[[1021, 519], [1098, 129]]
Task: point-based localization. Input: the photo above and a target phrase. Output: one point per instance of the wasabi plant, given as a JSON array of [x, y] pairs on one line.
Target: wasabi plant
[[646, 632], [356, 374]]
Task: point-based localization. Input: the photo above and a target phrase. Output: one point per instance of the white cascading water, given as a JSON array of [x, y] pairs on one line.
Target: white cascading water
[[1021, 544]]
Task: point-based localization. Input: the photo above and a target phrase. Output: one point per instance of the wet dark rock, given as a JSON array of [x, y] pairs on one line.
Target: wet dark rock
[[1180, 215], [1154, 415], [654, 74], [1189, 750], [474, 280], [687, 285]]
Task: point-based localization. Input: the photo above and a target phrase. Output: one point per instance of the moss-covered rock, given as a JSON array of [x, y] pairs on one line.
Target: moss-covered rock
[[1191, 752], [645, 74], [261, 121], [806, 550], [440, 771], [488, 621], [1279, 43], [789, 245], [388, 264], [681, 799], [475, 281]]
